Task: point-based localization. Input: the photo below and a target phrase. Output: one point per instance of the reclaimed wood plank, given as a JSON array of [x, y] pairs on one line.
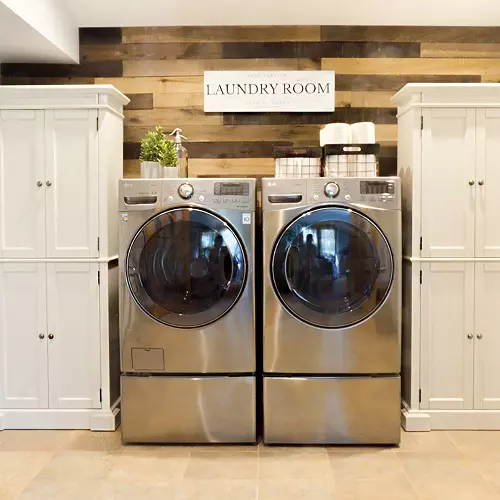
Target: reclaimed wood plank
[[140, 101], [171, 118], [220, 34], [450, 34], [461, 50], [173, 50], [100, 36], [401, 66], [157, 85], [191, 67]]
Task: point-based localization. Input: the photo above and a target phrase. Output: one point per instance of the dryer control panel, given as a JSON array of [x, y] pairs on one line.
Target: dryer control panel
[[383, 192]]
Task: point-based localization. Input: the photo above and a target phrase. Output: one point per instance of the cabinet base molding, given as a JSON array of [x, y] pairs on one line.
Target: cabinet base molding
[[94, 420], [428, 420]]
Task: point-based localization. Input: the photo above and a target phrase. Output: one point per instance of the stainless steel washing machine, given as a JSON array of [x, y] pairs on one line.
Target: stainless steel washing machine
[[332, 310], [187, 310]]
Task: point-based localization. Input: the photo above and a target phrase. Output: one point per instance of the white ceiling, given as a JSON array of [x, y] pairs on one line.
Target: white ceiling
[[19, 42], [282, 12]]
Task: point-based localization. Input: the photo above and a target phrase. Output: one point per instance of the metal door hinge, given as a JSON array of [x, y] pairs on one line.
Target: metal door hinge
[[421, 123], [97, 123], [421, 273], [420, 395], [98, 277], [420, 242], [99, 244], [100, 395]]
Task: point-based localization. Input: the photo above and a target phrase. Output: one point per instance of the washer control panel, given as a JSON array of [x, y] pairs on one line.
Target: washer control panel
[[233, 194]]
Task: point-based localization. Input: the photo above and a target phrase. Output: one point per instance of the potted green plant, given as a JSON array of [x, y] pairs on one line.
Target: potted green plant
[[169, 161], [153, 147]]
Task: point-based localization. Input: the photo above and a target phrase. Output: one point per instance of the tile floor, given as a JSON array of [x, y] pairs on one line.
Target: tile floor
[[74, 465]]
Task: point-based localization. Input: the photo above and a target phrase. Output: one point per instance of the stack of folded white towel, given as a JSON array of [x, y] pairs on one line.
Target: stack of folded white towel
[[358, 165]]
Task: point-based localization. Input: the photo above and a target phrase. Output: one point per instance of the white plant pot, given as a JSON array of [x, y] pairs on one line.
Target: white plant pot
[[170, 172], [150, 170]]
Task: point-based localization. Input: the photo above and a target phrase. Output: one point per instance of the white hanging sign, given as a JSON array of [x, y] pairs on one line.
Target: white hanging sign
[[269, 91]]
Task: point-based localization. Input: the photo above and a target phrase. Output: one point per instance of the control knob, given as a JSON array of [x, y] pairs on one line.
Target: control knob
[[186, 191], [332, 189]]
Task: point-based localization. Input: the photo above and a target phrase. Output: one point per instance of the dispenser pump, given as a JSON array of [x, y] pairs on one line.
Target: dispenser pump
[[182, 153]]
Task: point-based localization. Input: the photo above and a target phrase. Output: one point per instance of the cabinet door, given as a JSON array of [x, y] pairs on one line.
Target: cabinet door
[[448, 167], [23, 339], [488, 183], [487, 337], [22, 201], [72, 171], [73, 321], [447, 321]]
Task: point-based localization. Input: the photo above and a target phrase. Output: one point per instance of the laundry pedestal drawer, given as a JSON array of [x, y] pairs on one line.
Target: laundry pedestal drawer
[[332, 410], [179, 409]]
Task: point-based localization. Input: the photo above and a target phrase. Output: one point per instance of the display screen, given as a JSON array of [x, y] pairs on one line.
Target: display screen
[[376, 187], [231, 189]]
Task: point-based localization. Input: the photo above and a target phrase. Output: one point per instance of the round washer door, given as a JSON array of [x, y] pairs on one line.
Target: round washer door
[[186, 267], [332, 267]]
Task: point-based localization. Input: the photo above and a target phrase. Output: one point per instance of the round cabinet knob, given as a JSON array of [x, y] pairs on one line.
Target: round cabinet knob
[[186, 191], [50, 336], [479, 336], [332, 190], [481, 182], [48, 183], [470, 336], [39, 184], [41, 336], [471, 182]]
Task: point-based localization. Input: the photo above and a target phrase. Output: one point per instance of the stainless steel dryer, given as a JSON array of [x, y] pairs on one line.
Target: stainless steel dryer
[[187, 310], [332, 310]]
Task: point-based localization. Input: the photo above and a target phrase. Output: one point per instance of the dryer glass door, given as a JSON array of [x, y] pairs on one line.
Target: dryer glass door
[[332, 267], [186, 267]]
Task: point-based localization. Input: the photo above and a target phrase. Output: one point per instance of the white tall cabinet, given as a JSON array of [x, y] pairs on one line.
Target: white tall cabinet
[[449, 163], [60, 161]]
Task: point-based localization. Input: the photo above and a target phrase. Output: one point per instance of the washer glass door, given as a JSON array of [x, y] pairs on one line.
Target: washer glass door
[[186, 267], [332, 267]]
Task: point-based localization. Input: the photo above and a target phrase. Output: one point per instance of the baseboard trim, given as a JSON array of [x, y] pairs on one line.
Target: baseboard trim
[[427, 420], [95, 420]]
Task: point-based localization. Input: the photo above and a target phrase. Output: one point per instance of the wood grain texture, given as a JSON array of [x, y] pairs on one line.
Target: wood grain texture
[[161, 85], [175, 50], [395, 83], [181, 67], [221, 34], [86, 69], [410, 34], [171, 118], [100, 36], [140, 101], [461, 50], [411, 66]]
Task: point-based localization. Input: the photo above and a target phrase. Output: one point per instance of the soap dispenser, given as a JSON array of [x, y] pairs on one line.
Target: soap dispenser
[[182, 153]]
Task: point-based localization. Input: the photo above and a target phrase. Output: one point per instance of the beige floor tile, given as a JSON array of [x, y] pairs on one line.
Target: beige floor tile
[[17, 470], [477, 444], [155, 450], [435, 442], [222, 465], [146, 468], [94, 441], [381, 488], [219, 489], [291, 449], [447, 477], [365, 465], [489, 470], [356, 450], [52, 488], [75, 465], [294, 465], [296, 489], [112, 489], [34, 440], [221, 448]]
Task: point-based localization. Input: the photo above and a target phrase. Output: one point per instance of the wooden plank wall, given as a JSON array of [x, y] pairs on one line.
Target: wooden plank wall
[[161, 70]]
